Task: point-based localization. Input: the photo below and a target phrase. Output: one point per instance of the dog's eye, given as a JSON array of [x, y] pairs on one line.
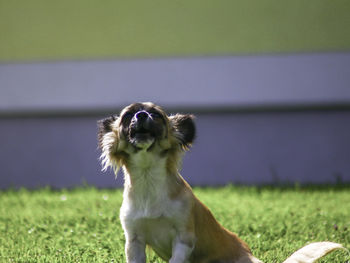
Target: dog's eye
[[155, 115], [127, 116]]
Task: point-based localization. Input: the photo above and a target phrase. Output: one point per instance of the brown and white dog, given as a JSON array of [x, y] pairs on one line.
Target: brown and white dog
[[159, 208]]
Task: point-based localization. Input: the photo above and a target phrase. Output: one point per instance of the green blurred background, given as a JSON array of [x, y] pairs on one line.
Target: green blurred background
[[85, 29]]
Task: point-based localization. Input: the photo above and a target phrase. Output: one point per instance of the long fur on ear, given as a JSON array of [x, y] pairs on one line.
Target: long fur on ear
[[184, 129], [108, 141], [104, 126]]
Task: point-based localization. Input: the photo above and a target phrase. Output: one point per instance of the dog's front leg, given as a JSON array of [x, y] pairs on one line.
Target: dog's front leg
[[182, 249], [135, 250]]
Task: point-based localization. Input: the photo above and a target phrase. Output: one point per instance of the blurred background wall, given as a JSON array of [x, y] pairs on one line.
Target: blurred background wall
[[268, 80]]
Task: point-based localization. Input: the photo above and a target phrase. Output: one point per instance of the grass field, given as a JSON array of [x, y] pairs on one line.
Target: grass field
[[82, 225]]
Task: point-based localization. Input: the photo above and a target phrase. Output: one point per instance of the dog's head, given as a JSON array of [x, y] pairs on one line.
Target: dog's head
[[143, 126]]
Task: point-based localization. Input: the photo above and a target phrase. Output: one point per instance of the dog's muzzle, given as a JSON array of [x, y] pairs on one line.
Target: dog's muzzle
[[142, 127]]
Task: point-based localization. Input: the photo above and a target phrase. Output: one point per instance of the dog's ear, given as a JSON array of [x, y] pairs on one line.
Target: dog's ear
[[184, 129], [104, 126], [109, 143]]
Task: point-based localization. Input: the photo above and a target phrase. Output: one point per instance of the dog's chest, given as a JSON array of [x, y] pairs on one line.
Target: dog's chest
[[147, 210], [154, 220], [146, 188], [150, 200]]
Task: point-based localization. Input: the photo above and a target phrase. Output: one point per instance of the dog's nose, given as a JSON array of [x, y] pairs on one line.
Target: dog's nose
[[141, 115]]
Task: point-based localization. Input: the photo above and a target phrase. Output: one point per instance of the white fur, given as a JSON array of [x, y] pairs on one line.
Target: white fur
[[147, 214], [108, 142], [144, 194], [180, 253], [313, 252]]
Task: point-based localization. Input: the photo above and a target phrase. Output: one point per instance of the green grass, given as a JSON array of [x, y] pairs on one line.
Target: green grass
[[82, 225]]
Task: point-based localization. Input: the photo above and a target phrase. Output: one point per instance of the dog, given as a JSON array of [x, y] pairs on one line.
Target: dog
[[159, 208]]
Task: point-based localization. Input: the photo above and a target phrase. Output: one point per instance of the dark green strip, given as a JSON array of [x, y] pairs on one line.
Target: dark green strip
[[85, 29]]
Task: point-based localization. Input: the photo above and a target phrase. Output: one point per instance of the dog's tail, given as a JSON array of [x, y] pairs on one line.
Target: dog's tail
[[312, 252]]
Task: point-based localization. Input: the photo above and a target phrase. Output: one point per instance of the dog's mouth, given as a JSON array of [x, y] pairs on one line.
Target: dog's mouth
[[141, 136], [141, 133], [143, 130]]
